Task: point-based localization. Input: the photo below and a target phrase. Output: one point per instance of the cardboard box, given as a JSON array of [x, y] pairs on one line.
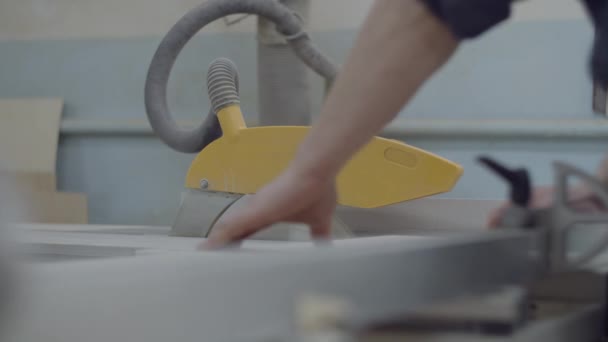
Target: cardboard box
[[29, 136]]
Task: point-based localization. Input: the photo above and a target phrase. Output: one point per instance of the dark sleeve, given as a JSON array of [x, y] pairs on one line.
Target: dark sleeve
[[470, 18], [598, 64], [594, 9]]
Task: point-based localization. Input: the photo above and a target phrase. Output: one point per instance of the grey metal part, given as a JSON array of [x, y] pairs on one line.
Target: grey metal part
[[497, 313], [198, 211], [424, 216], [577, 286], [231, 296], [516, 217], [557, 222], [267, 30], [582, 324], [283, 79], [515, 312], [504, 305], [562, 220], [283, 87]]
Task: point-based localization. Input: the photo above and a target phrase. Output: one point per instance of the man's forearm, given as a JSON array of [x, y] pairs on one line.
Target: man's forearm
[[400, 46]]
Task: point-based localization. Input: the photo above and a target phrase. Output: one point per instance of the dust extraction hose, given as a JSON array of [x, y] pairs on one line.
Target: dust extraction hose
[[222, 84], [191, 141]]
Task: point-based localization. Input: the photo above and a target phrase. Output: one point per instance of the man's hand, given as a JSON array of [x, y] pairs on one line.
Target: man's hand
[[292, 197], [580, 199], [401, 45]]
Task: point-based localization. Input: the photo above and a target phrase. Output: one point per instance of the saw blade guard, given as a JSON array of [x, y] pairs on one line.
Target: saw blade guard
[[233, 158]]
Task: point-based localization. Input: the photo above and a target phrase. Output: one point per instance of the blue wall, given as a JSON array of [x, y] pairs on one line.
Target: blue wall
[[521, 70]]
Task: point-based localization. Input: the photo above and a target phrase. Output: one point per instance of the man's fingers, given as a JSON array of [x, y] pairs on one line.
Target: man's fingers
[[249, 221], [253, 217], [496, 216], [235, 227], [284, 200], [321, 230]]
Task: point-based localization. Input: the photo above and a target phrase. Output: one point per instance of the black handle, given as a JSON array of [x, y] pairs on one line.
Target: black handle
[[518, 180]]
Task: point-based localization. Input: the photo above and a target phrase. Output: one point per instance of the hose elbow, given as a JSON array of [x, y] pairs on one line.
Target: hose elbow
[[222, 84]]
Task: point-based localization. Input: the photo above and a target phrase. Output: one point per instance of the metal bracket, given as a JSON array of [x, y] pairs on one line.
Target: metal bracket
[[553, 224], [563, 219], [199, 210]]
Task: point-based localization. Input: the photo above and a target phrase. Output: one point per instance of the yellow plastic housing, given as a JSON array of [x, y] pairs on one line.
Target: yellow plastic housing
[[384, 172]]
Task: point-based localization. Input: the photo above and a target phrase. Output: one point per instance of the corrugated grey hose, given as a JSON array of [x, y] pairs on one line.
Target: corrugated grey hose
[[192, 141], [222, 85]]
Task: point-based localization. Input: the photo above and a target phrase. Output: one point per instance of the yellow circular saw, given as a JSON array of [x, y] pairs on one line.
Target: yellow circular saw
[[234, 160]]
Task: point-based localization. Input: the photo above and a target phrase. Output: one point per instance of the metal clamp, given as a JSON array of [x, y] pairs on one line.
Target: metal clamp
[[563, 219], [554, 223]]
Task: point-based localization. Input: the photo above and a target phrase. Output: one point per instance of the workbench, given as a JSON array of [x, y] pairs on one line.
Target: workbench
[[128, 283]]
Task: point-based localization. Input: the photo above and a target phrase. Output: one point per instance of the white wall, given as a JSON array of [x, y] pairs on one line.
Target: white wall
[[548, 10], [47, 19], [60, 19]]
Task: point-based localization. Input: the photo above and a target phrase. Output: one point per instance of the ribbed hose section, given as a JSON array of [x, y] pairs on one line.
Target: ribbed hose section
[[222, 84], [172, 44], [283, 87]]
